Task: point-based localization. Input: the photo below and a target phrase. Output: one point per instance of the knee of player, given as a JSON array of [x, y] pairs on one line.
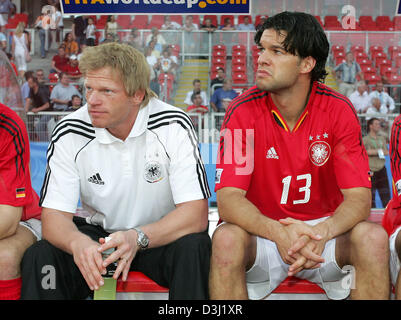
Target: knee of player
[[372, 239], [10, 261], [228, 243]]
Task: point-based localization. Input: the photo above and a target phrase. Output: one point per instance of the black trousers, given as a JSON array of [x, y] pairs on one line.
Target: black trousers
[[182, 266], [380, 183]]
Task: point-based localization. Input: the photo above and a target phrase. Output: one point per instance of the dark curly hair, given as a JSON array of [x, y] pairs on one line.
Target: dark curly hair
[[305, 38]]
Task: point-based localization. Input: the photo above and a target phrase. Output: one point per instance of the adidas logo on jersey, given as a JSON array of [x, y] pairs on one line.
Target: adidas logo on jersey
[[272, 154], [96, 179]]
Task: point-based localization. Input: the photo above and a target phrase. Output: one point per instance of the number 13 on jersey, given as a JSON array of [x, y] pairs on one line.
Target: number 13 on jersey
[[305, 189]]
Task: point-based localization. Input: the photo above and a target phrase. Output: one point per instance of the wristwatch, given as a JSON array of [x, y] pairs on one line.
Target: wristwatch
[[142, 240]]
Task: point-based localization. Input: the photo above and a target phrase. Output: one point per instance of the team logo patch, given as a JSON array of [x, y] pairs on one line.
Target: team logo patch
[[153, 172], [319, 152]]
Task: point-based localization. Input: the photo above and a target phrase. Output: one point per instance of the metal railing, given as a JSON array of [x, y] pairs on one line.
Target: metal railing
[[40, 125]]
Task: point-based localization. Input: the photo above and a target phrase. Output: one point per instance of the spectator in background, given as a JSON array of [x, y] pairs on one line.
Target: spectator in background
[[42, 36], [40, 75], [90, 33], [376, 147], [19, 49], [261, 21], [155, 66], [190, 38], [227, 25], [226, 92], [111, 26], [39, 100], [59, 61], [70, 45], [197, 84], [217, 82], [134, 39], [197, 106], [228, 37], [157, 37], [25, 86], [169, 24], [59, 23], [156, 48], [75, 103], [3, 41], [348, 72], [246, 25], [208, 25], [360, 97], [167, 64], [5, 9], [376, 107], [387, 104], [62, 93], [72, 69], [78, 29]]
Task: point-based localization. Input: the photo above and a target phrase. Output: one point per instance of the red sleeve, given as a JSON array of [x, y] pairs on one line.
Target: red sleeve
[[351, 162], [392, 214], [235, 157]]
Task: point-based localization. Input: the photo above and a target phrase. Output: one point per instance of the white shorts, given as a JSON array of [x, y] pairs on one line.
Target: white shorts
[[34, 225], [269, 270], [394, 259]]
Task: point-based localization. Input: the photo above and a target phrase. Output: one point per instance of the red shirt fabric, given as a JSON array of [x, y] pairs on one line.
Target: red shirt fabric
[[199, 109], [295, 174], [72, 71], [392, 214], [60, 63], [15, 179]]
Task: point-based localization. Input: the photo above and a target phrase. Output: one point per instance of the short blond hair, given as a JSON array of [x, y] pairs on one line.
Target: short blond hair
[[126, 60]]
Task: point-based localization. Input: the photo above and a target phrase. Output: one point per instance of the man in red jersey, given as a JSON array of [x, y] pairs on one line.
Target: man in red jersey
[[392, 215], [292, 179], [19, 204]]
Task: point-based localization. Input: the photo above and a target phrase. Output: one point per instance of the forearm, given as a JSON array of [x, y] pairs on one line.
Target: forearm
[[10, 217], [351, 211], [43, 107], [236, 209], [189, 217], [59, 229]]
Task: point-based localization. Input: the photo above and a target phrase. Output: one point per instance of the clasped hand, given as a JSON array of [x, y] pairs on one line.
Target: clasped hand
[[300, 245], [88, 257]]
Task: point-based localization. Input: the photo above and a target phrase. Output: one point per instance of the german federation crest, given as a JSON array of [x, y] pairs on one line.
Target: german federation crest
[[319, 152], [153, 172]]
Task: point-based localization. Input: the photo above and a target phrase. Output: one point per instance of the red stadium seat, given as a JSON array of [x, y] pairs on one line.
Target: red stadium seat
[[387, 71], [397, 23], [239, 77], [366, 69], [138, 282], [357, 48], [156, 21], [363, 62], [398, 61], [393, 51], [101, 22], [360, 55], [140, 22], [219, 47], [339, 60], [332, 23], [394, 79], [337, 48], [372, 79], [382, 61], [176, 49], [124, 21], [238, 68], [53, 77], [319, 20], [384, 23], [238, 60], [238, 48], [367, 23], [177, 18]]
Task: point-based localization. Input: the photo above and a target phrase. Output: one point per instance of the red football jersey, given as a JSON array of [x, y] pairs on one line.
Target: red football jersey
[[392, 215], [15, 179], [295, 174]]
